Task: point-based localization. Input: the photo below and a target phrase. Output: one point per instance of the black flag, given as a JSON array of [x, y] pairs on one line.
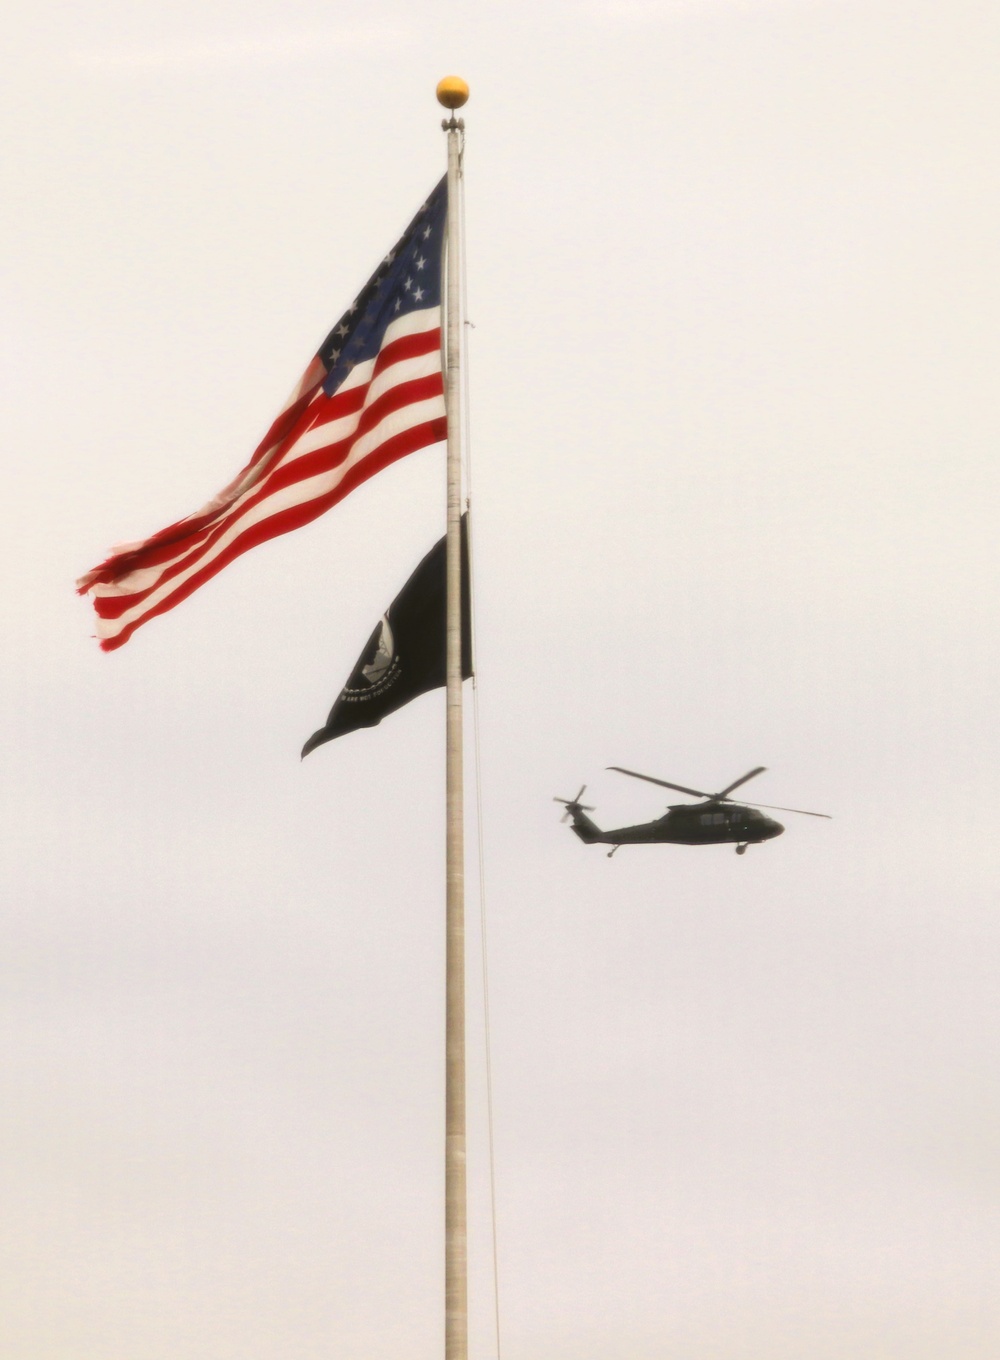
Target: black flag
[[405, 655]]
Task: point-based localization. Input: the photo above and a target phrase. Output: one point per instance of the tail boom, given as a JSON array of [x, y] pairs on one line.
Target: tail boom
[[587, 830]]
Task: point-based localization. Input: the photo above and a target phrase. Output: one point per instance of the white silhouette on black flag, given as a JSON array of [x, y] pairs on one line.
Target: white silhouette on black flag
[[405, 655]]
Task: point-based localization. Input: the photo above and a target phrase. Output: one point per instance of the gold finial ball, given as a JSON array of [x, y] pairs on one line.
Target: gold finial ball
[[452, 92]]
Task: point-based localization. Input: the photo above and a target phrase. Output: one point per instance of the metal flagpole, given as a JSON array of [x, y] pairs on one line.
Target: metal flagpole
[[452, 93]]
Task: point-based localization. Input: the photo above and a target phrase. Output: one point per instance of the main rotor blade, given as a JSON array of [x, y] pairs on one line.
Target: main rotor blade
[[774, 808], [742, 780], [696, 793]]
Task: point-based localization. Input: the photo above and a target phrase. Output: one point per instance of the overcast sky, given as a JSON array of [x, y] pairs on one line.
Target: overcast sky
[[734, 426]]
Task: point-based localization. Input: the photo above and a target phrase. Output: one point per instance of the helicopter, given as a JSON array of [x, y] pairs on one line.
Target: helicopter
[[716, 821]]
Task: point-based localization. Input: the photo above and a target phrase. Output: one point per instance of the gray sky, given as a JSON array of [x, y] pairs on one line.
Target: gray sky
[[734, 428]]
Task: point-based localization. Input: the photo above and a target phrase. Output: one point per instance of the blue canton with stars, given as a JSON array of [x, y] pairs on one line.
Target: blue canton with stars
[[407, 280]]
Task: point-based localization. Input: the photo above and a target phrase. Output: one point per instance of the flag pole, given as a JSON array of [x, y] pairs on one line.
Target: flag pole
[[452, 92]]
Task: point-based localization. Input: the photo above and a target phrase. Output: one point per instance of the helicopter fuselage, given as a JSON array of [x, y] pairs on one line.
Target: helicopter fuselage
[[715, 821], [686, 824]]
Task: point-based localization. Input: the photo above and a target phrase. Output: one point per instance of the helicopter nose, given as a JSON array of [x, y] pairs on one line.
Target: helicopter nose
[[773, 828]]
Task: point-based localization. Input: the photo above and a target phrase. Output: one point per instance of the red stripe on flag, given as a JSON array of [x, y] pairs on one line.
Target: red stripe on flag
[[278, 479], [420, 436]]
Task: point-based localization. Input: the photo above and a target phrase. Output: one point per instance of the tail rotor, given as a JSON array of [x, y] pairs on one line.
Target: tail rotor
[[573, 805]]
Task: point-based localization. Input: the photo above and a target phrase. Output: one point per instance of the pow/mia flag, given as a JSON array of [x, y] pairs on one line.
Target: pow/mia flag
[[405, 655]]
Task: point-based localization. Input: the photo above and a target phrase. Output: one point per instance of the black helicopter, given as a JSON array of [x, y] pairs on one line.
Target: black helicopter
[[716, 821]]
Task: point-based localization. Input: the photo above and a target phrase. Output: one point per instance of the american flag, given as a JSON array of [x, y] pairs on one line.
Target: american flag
[[373, 393]]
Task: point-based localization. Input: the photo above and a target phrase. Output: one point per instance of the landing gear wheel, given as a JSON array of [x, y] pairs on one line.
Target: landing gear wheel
[[741, 849]]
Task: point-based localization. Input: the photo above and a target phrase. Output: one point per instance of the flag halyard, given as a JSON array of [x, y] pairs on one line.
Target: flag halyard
[[372, 394]]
